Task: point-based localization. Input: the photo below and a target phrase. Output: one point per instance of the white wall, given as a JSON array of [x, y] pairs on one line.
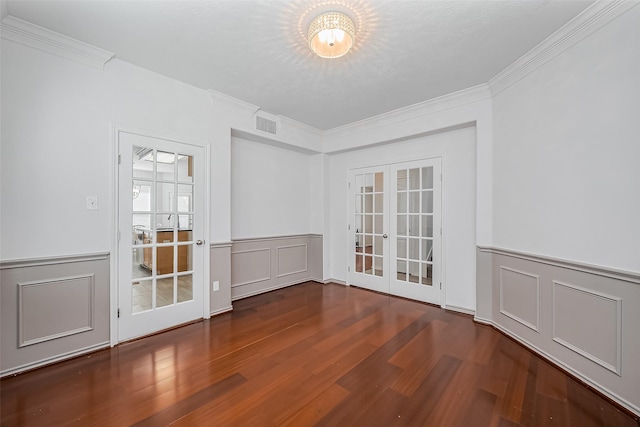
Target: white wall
[[57, 146], [56, 151], [270, 190], [566, 169], [316, 193], [159, 106], [459, 212], [567, 153]]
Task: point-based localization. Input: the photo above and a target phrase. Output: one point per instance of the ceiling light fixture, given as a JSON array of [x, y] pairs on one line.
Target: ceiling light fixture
[[331, 35]]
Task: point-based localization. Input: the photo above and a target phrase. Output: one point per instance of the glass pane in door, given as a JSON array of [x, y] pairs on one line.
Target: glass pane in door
[[164, 292], [185, 288], [162, 237], [369, 223], [141, 295], [414, 191]]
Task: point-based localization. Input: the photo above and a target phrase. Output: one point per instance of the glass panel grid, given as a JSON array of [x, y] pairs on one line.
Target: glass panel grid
[[369, 223], [162, 268], [415, 230]]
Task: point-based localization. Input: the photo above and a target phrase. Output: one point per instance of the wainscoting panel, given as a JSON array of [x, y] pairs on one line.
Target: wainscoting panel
[[250, 266], [594, 331], [220, 271], [52, 309], [520, 296], [587, 316], [292, 260], [282, 261]]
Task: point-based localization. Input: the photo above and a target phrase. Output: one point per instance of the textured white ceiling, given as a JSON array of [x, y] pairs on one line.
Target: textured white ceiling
[[406, 51]]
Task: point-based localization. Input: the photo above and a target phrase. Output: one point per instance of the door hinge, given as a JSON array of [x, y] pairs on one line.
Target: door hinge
[[441, 231], [348, 185], [118, 313], [348, 226], [119, 158], [118, 236], [348, 269], [440, 285]]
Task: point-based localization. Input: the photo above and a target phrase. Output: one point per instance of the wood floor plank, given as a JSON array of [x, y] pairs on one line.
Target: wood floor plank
[[316, 409], [311, 354], [458, 396], [428, 395], [481, 409], [550, 381], [183, 407]]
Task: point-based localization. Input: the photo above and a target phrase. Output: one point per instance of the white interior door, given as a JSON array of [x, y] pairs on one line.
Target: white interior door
[[368, 224], [395, 231], [160, 250], [415, 227]]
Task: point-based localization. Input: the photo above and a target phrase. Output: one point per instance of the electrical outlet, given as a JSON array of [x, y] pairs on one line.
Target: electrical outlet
[[92, 203], [216, 285]]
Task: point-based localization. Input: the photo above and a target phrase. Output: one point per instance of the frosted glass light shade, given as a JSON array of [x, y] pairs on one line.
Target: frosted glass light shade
[[331, 35]]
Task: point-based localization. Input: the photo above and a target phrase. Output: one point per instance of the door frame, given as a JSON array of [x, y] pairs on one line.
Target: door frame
[[443, 214], [116, 130]]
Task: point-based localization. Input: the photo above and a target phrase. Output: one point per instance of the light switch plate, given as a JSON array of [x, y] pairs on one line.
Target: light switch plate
[[216, 285], [92, 203]]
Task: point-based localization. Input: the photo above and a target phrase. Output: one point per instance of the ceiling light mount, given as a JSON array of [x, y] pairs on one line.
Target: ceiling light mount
[[331, 35]]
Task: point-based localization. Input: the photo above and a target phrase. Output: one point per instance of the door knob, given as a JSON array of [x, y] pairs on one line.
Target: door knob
[[199, 242], [384, 236]]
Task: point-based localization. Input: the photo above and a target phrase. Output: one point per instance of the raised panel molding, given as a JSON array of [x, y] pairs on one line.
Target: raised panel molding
[[55, 308], [294, 259], [250, 266], [290, 262], [37, 37], [584, 328], [588, 323], [517, 294]]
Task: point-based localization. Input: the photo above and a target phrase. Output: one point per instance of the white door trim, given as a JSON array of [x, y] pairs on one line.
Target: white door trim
[[116, 130]]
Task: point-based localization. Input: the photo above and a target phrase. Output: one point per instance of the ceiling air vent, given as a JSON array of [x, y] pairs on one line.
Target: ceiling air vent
[[266, 125]]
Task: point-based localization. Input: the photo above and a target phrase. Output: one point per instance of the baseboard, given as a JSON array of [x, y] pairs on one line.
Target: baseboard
[[269, 289], [51, 360], [336, 281], [482, 321], [622, 403], [221, 311], [460, 309]]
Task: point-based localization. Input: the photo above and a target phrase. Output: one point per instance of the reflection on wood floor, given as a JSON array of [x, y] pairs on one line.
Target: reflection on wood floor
[[312, 354], [142, 292]]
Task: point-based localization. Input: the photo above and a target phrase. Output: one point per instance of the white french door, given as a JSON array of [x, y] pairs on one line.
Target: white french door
[[395, 229], [369, 243], [160, 249]]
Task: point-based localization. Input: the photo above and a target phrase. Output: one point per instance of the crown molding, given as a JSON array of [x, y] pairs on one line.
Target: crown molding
[[586, 23], [40, 38], [460, 98], [235, 104], [291, 133], [244, 107], [299, 127]]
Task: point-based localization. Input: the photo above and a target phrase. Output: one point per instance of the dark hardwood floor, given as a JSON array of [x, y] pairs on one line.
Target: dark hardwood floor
[[311, 354]]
